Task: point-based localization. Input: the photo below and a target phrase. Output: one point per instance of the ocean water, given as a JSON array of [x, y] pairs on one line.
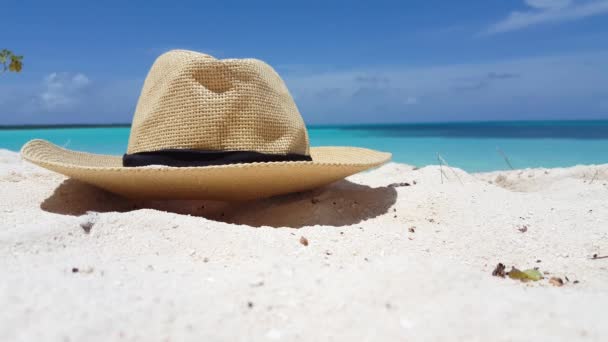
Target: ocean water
[[472, 146]]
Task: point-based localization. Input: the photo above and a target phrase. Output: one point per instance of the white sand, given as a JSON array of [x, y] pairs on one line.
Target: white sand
[[194, 270]]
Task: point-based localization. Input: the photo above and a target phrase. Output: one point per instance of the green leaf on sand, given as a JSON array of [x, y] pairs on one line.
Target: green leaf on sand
[[527, 275]]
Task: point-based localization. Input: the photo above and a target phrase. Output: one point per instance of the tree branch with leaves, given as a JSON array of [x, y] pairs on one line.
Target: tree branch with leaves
[[9, 61]]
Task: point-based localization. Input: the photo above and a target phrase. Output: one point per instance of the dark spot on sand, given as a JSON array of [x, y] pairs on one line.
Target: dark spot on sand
[[86, 226], [250, 305], [304, 241], [74, 269], [398, 185], [555, 281], [499, 270]]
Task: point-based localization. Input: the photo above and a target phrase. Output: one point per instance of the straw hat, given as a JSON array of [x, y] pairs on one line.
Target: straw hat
[[210, 129]]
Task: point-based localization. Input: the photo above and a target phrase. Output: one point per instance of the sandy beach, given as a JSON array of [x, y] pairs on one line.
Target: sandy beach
[[397, 253]]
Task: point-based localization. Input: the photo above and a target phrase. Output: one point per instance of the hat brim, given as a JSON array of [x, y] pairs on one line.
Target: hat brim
[[218, 182]]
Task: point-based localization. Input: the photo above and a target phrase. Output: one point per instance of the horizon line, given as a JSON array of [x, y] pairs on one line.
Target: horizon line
[[125, 125]]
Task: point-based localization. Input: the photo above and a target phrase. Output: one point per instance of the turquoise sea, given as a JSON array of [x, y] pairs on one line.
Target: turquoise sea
[[472, 146]]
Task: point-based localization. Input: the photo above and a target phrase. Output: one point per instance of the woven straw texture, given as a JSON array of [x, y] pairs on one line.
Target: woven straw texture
[[226, 182], [193, 101]]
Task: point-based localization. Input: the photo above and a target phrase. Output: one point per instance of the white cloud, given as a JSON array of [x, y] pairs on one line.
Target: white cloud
[[549, 87], [61, 97], [411, 100], [62, 90], [548, 11], [567, 86], [548, 4]]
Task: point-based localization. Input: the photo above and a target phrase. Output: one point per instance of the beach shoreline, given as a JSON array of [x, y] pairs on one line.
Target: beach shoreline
[[394, 253]]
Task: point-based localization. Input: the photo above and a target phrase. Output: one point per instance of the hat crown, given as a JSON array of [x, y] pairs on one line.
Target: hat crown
[[191, 100]]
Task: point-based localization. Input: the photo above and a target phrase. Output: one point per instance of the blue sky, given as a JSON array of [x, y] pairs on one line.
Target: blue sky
[[344, 61]]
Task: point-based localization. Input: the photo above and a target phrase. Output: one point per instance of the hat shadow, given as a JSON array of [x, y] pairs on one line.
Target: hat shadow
[[341, 203]]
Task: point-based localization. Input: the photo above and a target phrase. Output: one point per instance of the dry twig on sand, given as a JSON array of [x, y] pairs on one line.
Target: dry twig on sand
[[443, 161], [594, 176], [441, 173], [504, 156]]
